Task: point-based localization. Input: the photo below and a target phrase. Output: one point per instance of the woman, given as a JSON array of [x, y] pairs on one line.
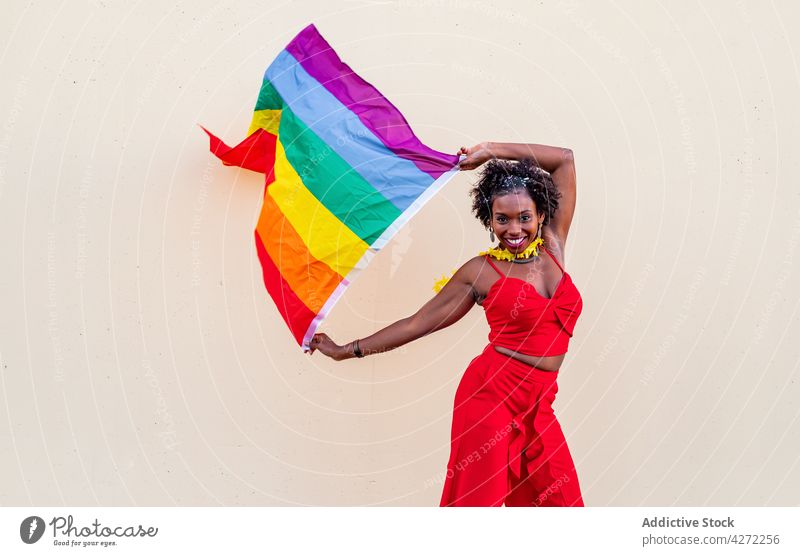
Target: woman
[[506, 445]]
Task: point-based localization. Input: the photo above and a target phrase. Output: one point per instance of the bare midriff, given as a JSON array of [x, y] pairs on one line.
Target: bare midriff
[[545, 363]]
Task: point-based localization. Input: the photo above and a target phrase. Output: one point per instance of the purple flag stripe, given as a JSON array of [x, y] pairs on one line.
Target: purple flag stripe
[[372, 108]]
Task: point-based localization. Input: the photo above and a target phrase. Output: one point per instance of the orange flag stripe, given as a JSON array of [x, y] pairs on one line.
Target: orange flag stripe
[[310, 279]]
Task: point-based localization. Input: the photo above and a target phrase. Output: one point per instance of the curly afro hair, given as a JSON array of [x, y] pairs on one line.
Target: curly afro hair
[[501, 177]]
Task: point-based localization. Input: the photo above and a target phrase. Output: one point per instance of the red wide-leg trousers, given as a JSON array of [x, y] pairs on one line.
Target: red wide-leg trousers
[[506, 445]]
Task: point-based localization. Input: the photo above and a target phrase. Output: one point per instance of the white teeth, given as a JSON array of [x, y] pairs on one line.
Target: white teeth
[[516, 241]]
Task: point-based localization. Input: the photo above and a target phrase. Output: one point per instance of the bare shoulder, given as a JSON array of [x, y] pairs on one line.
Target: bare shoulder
[[555, 245], [469, 274], [474, 267], [480, 275]]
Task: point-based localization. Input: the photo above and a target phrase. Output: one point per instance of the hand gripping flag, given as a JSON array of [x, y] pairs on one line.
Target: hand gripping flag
[[344, 172]]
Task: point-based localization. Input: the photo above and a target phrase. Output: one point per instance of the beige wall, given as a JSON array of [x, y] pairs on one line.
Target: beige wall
[[143, 363]]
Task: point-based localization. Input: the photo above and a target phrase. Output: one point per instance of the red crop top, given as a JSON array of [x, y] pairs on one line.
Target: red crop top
[[522, 320]]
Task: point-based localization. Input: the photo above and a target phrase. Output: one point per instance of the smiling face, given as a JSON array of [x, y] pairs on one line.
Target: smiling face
[[515, 220]]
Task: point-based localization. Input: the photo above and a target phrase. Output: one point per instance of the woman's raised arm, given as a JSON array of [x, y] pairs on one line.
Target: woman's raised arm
[[452, 302], [559, 162]]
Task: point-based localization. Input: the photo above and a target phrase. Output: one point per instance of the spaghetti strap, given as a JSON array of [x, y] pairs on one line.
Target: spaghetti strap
[[554, 259], [489, 260]]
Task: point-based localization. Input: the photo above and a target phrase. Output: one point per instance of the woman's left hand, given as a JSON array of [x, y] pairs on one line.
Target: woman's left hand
[[476, 156]]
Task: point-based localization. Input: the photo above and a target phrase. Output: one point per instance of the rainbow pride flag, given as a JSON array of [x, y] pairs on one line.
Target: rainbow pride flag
[[344, 172]]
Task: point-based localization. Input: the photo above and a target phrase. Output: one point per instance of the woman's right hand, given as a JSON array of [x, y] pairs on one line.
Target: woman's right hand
[[324, 344], [476, 156]]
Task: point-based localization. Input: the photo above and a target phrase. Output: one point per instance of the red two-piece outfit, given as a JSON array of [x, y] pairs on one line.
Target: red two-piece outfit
[[507, 446]]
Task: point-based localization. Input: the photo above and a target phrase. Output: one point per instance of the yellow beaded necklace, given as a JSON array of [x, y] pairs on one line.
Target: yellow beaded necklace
[[499, 254]]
